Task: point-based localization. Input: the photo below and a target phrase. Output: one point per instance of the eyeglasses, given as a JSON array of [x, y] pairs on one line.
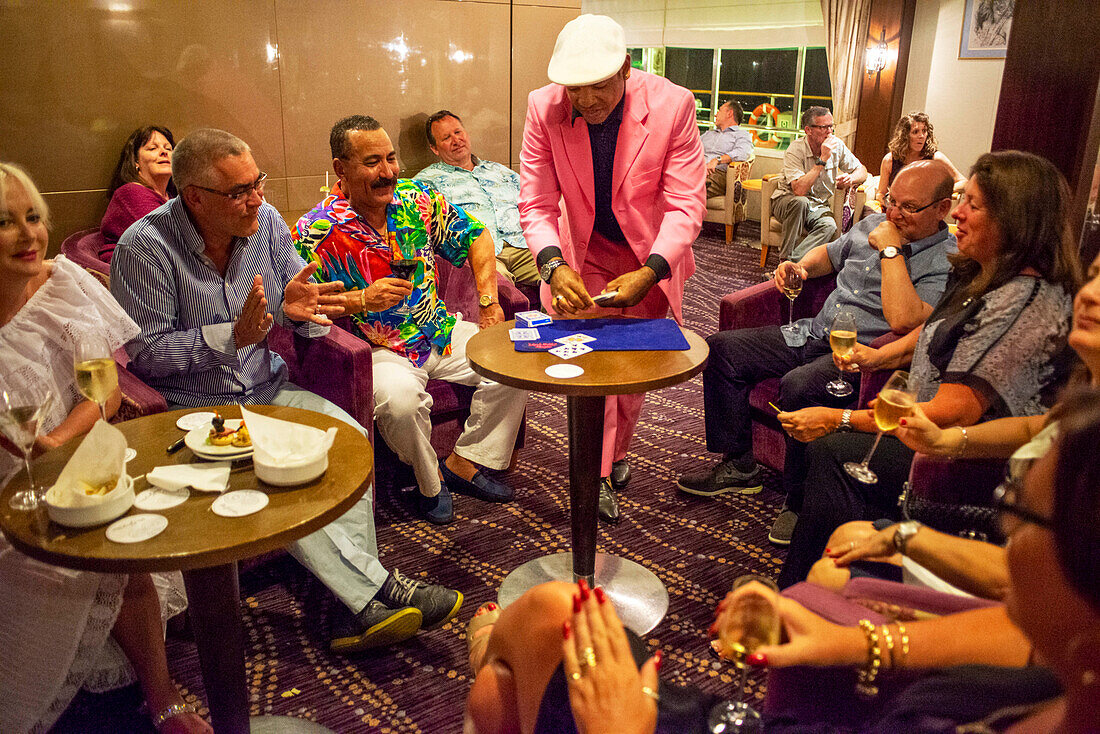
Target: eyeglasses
[[1005, 500], [242, 192], [823, 127], [910, 208]]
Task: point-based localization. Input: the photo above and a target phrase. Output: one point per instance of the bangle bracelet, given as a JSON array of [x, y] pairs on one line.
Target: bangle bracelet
[[170, 711], [903, 638], [865, 682], [889, 640], [962, 446]]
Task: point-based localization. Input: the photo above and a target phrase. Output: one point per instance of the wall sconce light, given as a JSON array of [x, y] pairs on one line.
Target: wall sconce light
[[877, 55]]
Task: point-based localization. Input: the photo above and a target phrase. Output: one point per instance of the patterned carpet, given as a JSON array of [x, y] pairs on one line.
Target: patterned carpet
[[696, 546]]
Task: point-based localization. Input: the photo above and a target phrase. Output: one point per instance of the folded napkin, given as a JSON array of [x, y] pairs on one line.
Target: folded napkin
[[278, 442], [99, 461], [205, 477]]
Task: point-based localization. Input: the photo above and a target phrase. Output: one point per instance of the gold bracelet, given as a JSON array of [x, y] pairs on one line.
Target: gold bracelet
[[865, 683], [889, 640], [903, 636], [962, 446], [363, 300]]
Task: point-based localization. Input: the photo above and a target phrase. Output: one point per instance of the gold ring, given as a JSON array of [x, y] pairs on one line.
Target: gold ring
[[559, 297], [651, 693], [589, 657], [575, 676]]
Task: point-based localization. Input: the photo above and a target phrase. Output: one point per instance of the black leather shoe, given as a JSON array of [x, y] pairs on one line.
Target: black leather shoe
[[609, 505], [620, 474]]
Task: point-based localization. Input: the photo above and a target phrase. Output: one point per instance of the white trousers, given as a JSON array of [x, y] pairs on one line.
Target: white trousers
[[402, 410]]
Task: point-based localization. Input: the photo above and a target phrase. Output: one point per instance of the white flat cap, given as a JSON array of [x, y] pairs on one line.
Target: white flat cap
[[590, 48]]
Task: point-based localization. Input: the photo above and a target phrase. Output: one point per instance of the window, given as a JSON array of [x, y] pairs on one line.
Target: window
[[694, 68]]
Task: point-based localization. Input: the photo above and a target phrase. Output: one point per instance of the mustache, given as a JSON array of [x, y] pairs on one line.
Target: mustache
[[384, 183]]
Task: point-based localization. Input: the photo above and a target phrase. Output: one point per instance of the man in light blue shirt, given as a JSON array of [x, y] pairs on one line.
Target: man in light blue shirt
[[487, 190], [725, 144]]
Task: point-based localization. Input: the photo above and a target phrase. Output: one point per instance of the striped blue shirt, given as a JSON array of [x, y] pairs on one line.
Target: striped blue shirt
[[186, 308]]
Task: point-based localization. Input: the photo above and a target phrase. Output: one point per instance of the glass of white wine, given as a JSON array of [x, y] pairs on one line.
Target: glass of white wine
[[896, 400], [96, 374], [842, 339], [791, 288], [751, 623], [21, 413]]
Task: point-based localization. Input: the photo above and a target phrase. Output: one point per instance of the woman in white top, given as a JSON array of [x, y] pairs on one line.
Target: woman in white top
[[61, 630]]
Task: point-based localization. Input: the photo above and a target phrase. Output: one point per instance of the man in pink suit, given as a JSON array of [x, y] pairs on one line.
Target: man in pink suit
[[620, 150]]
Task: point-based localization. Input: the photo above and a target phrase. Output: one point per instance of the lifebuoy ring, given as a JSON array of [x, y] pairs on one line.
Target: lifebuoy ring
[[770, 114]]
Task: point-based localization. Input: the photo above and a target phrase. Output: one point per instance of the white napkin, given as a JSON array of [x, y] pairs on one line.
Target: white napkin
[[98, 460], [205, 477], [278, 442]]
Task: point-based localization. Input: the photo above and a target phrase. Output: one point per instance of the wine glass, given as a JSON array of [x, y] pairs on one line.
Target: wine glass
[[842, 338], [21, 413], [791, 289], [404, 269], [96, 374], [895, 401], [751, 623]]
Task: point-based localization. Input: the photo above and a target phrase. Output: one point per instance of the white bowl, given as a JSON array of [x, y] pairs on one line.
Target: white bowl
[[114, 505], [289, 475]]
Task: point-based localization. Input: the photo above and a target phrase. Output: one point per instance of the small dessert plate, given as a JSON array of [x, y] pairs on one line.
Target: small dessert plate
[[192, 421]]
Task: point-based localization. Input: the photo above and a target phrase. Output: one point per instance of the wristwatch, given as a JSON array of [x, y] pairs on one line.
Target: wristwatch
[[905, 531], [549, 267], [845, 424], [486, 300], [819, 162], [889, 252]]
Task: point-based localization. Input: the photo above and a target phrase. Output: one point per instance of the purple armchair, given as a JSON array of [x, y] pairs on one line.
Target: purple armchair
[[338, 367], [83, 249], [763, 305], [138, 399]]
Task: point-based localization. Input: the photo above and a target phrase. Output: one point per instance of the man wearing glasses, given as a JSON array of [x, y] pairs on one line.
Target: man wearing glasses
[[809, 180], [205, 276], [891, 268]]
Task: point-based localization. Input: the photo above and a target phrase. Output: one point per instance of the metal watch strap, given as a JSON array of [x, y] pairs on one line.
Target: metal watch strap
[[904, 532], [845, 424], [548, 268]]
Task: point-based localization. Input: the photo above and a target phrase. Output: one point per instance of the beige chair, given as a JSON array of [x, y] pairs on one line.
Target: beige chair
[[730, 209], [771, 234]]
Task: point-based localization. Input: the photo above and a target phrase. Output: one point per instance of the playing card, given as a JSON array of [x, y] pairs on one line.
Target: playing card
[[523, 335], [577, 338], [568, 351]]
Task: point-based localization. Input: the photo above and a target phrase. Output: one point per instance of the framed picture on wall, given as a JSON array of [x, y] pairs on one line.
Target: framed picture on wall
[[986, 25]]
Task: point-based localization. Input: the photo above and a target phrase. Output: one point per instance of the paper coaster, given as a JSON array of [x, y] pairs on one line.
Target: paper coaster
[[130, 454], [160, 499], [191, 421], [565, 371], [240, 503], [136, 528]]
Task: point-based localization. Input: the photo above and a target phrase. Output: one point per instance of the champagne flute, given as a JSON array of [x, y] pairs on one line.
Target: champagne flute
[[404, 269], [96, 374], [751, 623], [21, 413], [896, 400], [842, 338], [791, 289]]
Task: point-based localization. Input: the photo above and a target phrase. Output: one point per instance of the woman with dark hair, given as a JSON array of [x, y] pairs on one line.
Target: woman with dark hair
[[914, 140], [993, 347], [142, 181]]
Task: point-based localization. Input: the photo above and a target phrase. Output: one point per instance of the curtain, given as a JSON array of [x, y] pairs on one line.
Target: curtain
[[846, 26]]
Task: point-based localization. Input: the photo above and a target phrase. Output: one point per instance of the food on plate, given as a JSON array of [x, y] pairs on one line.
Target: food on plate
[[222, 436], [241, 438]]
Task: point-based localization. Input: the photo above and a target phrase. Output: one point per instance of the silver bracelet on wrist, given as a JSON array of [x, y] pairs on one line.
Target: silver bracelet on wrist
[[171, 711], [958, 452], [845, 424]]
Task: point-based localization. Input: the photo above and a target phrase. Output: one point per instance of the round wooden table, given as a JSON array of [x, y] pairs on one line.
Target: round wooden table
[[640, 597], [205, 546]]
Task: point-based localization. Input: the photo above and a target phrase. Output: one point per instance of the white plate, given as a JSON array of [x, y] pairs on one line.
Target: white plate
[[136, 528], [565, 371], [240, 503], [196, 441], [194, 420], [157, 498]]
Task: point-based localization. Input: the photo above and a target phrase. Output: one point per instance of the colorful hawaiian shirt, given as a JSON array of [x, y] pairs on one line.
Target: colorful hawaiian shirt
[[490, 192], [421, 224]]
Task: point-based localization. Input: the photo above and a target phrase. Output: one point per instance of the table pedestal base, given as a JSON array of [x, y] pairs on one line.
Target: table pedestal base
[[285, 725], [640, 598]]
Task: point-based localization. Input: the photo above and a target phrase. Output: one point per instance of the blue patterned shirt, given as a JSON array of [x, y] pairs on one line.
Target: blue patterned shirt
[[186, 308], [490, 192]]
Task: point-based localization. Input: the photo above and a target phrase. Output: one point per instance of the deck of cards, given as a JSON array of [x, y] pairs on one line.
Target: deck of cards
[[532, 319]]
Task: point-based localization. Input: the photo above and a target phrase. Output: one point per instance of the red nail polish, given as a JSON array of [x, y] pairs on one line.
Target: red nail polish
[[828, 551], [902, 422], [492, 606], [757, 660], [585, 590], [566, 630], [600, 596], [657, 663], [576, 604]]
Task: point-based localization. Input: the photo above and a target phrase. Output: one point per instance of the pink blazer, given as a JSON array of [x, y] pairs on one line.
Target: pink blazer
[[658, 182]]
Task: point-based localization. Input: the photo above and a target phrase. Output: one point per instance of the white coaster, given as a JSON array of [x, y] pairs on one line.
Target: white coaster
[[240, 503], [191, 421], [130, 454], [565, 371], [160, 499], [136, 528]]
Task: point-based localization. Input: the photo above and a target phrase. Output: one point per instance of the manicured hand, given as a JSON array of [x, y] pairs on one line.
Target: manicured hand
[[921, 434], [811, 640], [254, 322], [304, 300], [876, 545], [810, 424], [569, 293], [781, 273], [632, 287]]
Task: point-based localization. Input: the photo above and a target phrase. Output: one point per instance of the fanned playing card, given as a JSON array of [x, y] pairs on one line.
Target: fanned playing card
[[578, 338], [568, 351]]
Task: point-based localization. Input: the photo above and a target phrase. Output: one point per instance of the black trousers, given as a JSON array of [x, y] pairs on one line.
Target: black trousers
[[830, 497], [742, 358]]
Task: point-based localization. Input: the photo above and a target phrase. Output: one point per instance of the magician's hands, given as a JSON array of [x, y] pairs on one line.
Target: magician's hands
[[570, 296]]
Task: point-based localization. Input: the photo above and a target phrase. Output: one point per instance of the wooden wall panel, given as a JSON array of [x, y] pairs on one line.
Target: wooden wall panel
[[880, 100]]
